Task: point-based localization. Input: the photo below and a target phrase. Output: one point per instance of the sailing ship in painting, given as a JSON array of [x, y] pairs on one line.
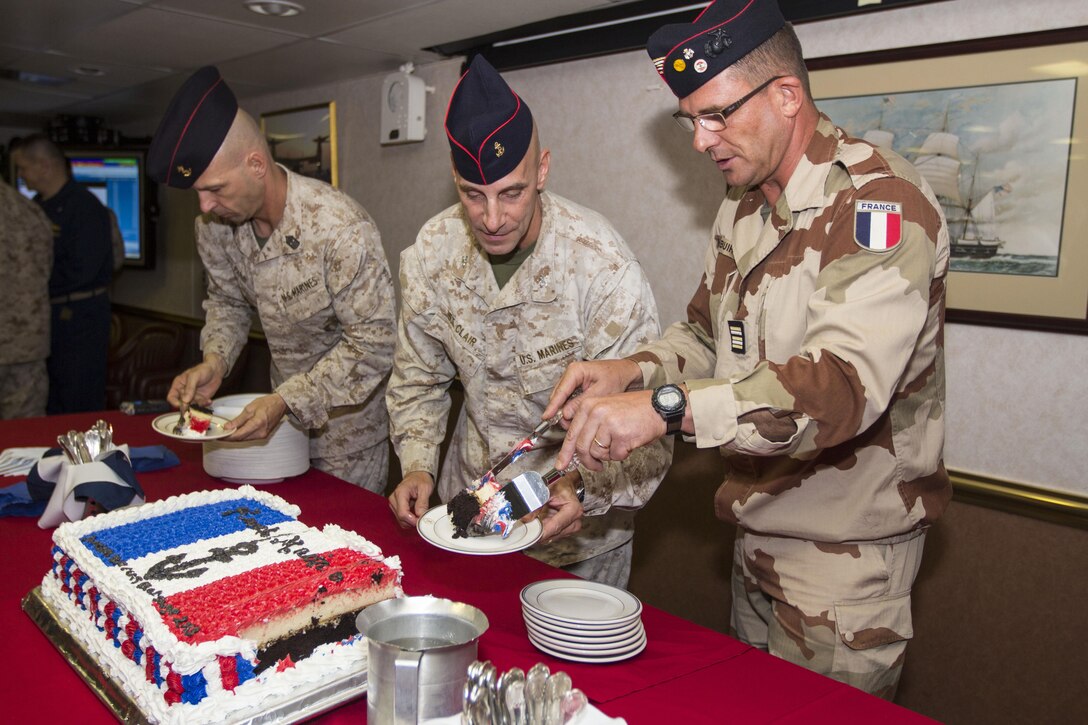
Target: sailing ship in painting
[[997, 156], [972, 217]]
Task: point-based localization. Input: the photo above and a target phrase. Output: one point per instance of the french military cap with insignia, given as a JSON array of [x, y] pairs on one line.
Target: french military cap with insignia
[[488, 125], [687, 55], [192, 129]]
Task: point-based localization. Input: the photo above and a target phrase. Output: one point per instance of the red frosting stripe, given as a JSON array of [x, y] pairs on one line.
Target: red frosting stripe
[[229, 605]]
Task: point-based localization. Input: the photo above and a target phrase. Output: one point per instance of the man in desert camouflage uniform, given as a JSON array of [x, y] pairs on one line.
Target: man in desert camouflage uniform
[[812, 355], [504, 289], [25, 264], [307, 259]]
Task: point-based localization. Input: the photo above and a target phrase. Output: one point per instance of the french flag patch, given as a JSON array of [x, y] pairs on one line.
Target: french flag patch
[[878, 225]]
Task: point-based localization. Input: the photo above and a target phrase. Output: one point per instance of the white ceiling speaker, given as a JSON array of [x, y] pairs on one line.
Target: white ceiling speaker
[[404, 107]]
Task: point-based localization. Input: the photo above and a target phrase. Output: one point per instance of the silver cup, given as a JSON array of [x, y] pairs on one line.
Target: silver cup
[[419, 649]]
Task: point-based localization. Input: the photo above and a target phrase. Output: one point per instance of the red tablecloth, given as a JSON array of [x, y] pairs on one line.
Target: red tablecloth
[[686, 671]]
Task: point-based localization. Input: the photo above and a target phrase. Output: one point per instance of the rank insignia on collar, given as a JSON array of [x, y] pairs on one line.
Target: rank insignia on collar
[[185, 171], [878, 225], [292, 242], [499, 150], [736, 336]]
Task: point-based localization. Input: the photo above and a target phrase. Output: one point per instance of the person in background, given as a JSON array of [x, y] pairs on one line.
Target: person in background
[[813, 355], [302, 255], [504, 289], [25, 263], [79, 282]]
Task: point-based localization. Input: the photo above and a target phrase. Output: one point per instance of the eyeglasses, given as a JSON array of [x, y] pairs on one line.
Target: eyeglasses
[[716, 121]]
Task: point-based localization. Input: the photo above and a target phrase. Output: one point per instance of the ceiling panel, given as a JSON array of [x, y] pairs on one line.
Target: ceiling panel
[[148, 47], [306, 63], [171, 40], [320, 17]]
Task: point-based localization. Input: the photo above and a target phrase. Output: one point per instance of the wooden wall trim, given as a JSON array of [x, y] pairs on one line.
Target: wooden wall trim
[[184, 320], [1021, 499]]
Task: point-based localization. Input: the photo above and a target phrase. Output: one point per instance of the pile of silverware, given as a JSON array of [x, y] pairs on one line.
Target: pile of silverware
[[87, 446], [516, 698]]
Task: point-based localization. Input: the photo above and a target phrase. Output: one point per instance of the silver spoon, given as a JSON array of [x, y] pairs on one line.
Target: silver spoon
[[555, 690], [535, 682], [513, 696]]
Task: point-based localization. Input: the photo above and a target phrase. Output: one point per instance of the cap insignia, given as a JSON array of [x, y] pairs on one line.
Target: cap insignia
[[688, 53], [499, 150], [185, 171], [659, 63], [718, 42], [679, 65]]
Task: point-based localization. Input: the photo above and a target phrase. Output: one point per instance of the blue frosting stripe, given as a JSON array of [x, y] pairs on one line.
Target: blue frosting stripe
[[139, 538]]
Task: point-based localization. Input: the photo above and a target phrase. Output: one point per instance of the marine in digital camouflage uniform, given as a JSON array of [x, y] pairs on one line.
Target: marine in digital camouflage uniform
[[308, 260], [25, 264], [579, 294], [812, 355]]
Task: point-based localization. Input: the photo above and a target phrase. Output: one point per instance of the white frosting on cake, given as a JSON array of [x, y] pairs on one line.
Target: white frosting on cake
[[116, 583]]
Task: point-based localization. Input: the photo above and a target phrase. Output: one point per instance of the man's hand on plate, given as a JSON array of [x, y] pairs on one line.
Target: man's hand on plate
[[562, 515], [258, 419]]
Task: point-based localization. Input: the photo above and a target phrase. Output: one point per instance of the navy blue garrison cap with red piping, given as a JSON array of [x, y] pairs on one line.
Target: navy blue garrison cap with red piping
[[488, 125], [192, 130], [687, 55]]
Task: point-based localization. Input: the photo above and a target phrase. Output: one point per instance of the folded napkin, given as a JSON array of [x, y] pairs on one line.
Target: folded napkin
[[19, 461], [110, 481]]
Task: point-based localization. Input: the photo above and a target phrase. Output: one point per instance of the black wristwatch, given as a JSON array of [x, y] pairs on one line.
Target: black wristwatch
[[670, 403]]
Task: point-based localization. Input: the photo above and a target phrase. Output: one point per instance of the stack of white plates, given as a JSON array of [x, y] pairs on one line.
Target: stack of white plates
[[284, 453], [583, 621]]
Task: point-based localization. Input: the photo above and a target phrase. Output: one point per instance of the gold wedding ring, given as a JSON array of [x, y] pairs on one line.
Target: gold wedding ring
[[602, 445]]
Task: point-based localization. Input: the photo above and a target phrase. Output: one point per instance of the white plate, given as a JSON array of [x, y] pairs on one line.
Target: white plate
[[165, 424], [436, 527], [252, 481], [603, 627], [578, 601], [577, 635], [598, 658], [587, 646]]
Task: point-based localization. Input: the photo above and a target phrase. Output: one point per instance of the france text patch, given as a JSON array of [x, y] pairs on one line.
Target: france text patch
[[878, 225]]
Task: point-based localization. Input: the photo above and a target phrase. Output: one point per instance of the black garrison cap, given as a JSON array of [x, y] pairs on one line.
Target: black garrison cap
[[192, 130], [488, 125], [687, 55]]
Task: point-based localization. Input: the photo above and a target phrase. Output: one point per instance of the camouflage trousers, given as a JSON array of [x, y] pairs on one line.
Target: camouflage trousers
[[611, 567], [842, 610], [24, 389], [368, 468]]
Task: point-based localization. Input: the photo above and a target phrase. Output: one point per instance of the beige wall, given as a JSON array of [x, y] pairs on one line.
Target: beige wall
[[1013, 395]]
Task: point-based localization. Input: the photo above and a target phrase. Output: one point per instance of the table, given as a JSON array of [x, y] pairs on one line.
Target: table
[[687, 673]]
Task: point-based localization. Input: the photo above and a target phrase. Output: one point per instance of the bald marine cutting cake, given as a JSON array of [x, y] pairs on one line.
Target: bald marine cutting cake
[[216, 605]]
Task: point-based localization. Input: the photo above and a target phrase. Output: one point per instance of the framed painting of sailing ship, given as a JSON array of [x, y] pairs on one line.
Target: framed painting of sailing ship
[[999, 129], [304, 140]]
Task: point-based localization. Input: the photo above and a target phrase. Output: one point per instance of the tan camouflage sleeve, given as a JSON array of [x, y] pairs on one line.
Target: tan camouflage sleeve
[[227, 315], [863, 325], [625, 317], [357, 276], [417, 397]]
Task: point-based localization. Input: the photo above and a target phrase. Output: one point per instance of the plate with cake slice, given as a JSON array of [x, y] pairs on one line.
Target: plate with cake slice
[[436, 527], [197, 424]]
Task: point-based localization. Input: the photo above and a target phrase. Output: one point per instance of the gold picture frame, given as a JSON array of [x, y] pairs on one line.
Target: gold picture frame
[[956, 84], [304, 140]]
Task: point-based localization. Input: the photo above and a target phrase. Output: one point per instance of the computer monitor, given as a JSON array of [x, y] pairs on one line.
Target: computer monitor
[[117, 178]]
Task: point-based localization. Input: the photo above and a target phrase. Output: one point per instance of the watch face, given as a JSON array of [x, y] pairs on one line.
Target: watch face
[[670, 398]]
